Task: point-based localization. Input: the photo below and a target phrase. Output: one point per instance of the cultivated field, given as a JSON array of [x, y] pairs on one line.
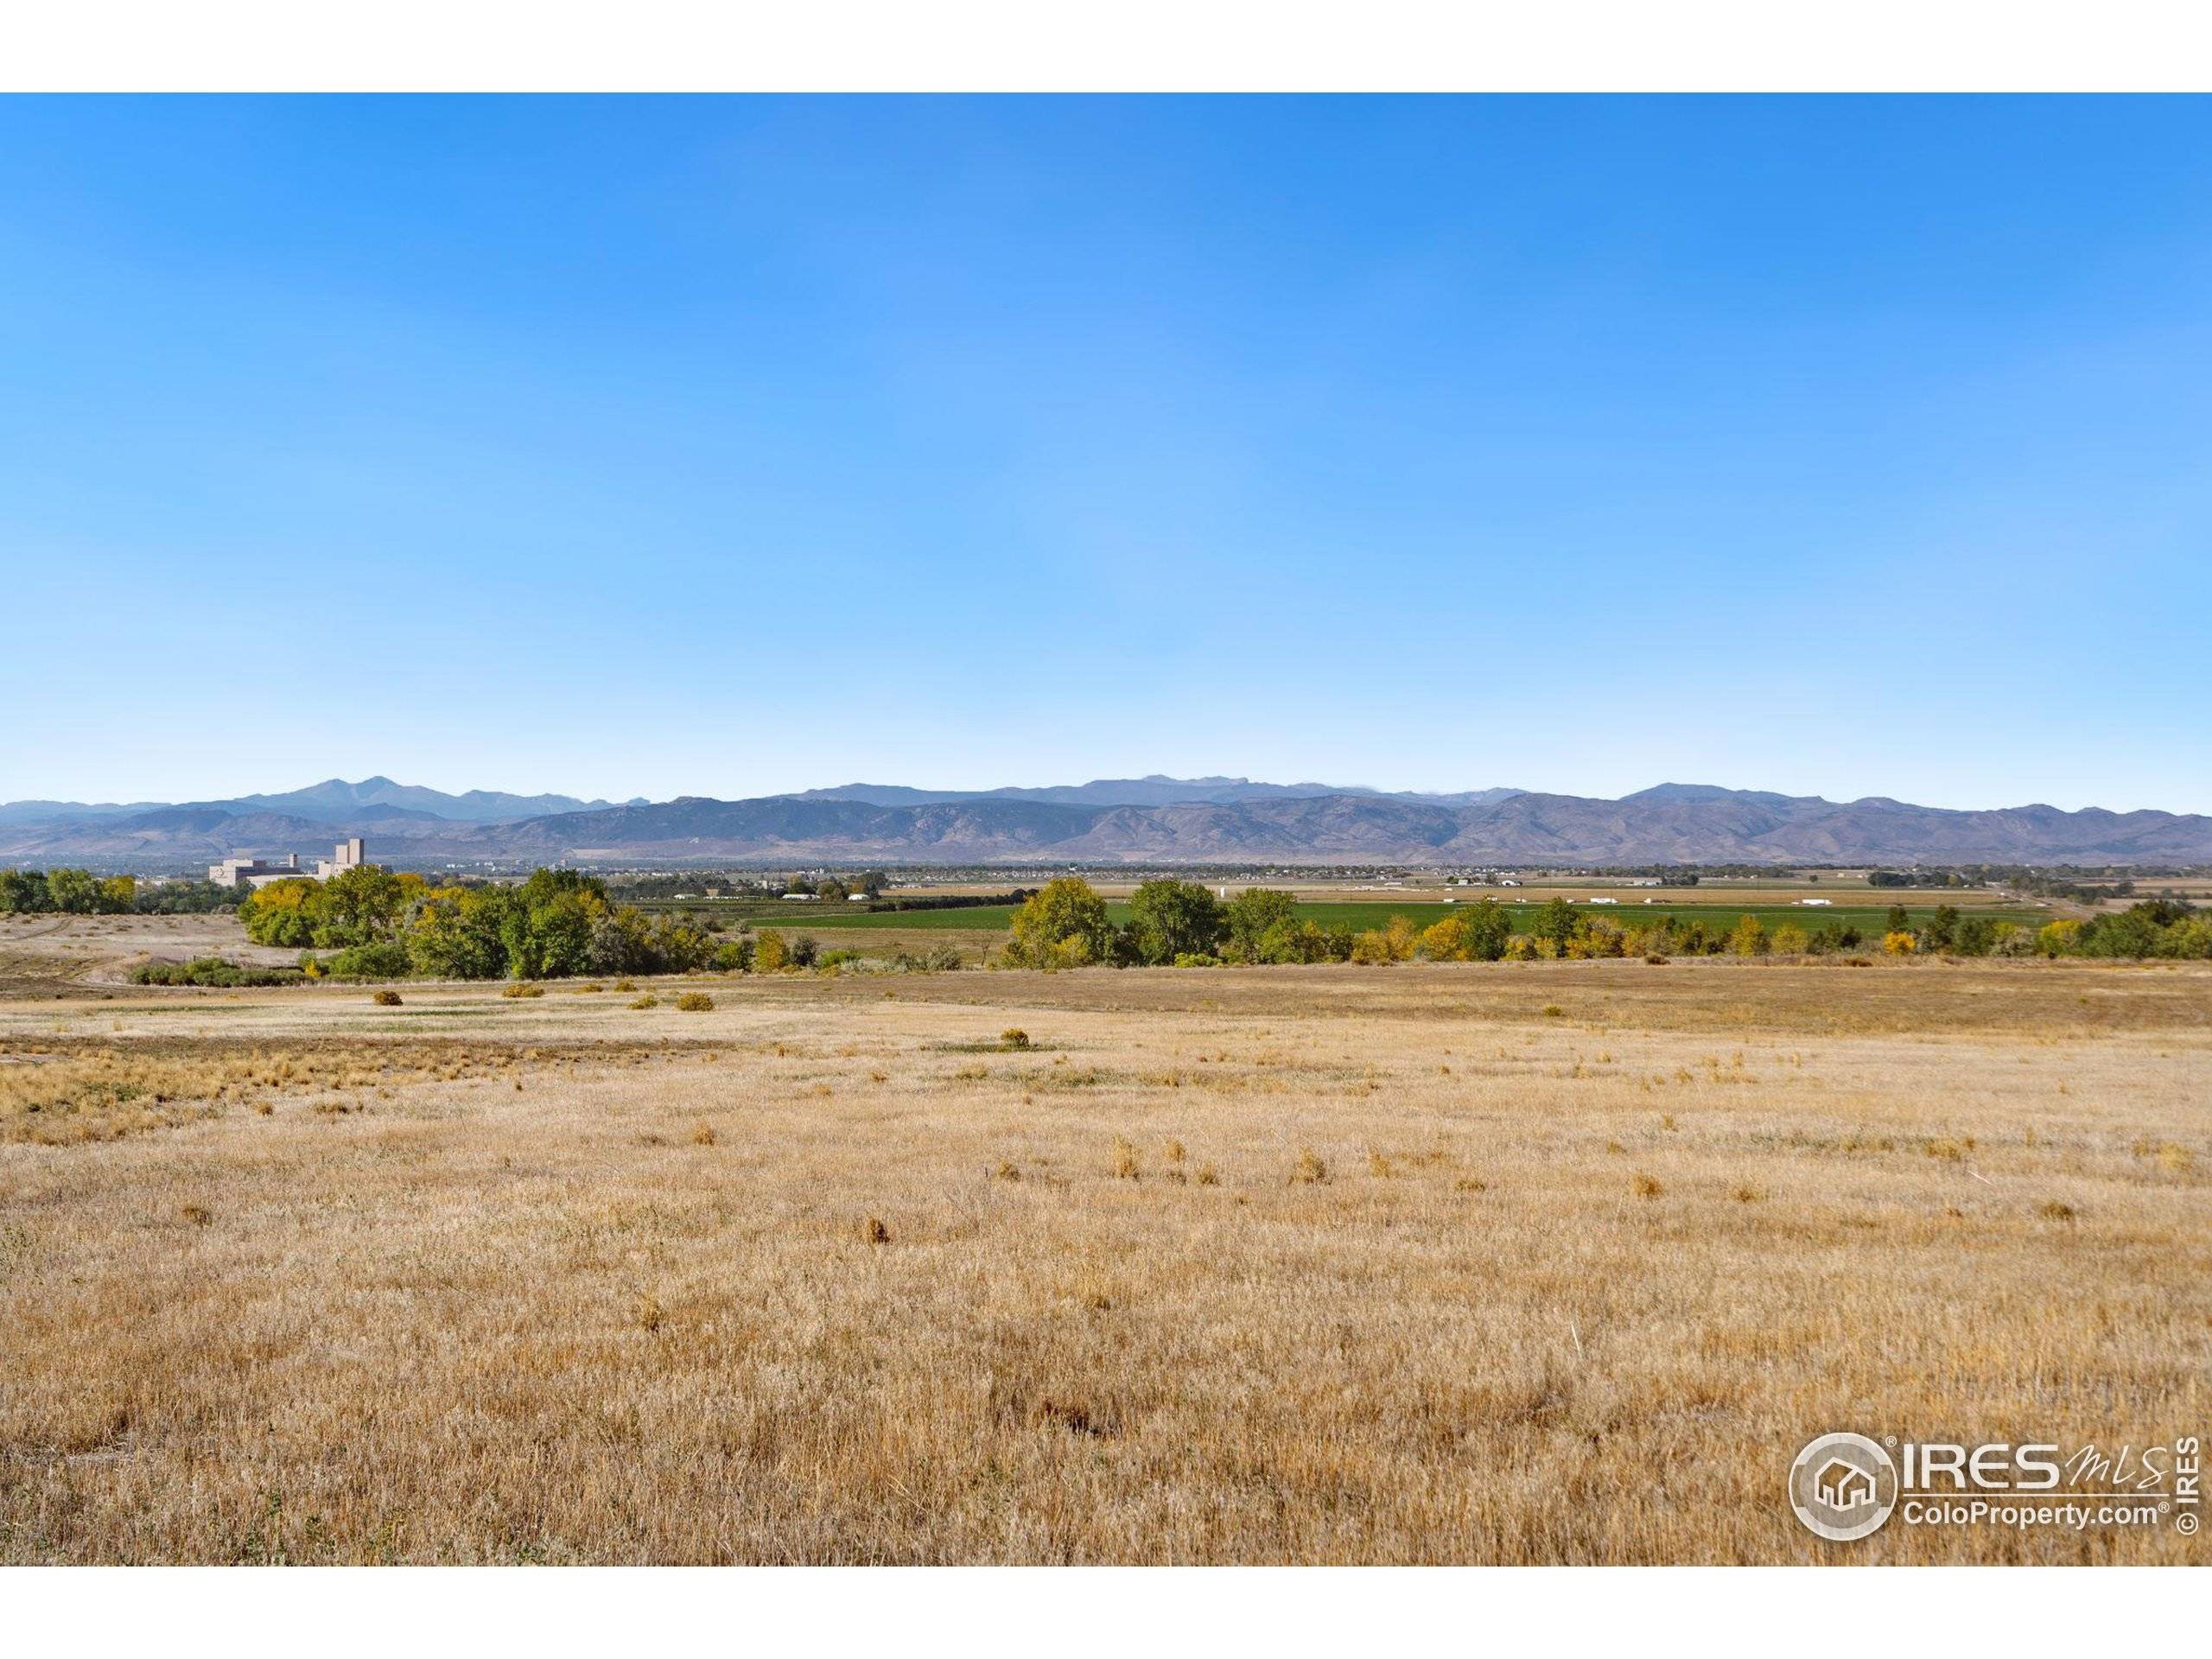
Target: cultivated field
[[1544, 1262]]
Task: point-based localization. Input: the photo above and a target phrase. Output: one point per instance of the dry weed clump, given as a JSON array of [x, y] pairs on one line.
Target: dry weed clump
[[1309, 1169], [695, 1002], [386, 999], [521, 988], [648, 1001]]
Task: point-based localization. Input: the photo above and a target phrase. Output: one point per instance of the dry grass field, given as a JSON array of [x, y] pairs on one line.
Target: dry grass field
[[1520, 1263]]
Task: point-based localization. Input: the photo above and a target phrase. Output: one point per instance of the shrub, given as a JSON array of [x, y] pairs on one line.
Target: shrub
[[386, 999], [1899, 944], [213, 970], [521, 988], [1013, 1037], [695, 1002], [1309, 1169], [648, 1001], [1372, 948], [1648, 1187], [385, 959]]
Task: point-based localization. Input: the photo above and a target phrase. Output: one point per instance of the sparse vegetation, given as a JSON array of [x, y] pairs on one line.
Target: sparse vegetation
[[1402, 1238]]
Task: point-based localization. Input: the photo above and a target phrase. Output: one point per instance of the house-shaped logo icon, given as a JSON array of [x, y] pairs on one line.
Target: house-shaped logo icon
[[1844, 1486]]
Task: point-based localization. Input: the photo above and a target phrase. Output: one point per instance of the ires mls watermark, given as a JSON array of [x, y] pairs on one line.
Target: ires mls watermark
[[1846, 1487]]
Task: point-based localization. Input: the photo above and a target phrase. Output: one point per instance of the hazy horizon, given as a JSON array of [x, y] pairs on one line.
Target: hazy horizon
[[642, 448]]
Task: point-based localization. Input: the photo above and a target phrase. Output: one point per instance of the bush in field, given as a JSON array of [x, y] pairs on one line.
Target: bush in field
[[1899, 943], [213, 970], [2057, 938], [1595, 938], [386, 960], [1445, 941], [1791, 940], [386, 999], [1304, 942], [1372, 948], [769, 953], [695, 1002], [1749, 938]]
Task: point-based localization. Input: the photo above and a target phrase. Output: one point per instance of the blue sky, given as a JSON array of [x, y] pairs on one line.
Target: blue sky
[[729, 446]]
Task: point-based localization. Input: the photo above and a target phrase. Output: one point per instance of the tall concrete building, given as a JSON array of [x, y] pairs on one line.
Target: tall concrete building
[[351, 855]]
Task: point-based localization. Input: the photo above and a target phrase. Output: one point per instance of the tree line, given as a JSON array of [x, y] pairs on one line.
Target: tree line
[[1181, 923], [80, 893], [557, 925]]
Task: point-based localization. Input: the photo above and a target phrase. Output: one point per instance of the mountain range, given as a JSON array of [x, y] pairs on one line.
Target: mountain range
[[1152, 820]]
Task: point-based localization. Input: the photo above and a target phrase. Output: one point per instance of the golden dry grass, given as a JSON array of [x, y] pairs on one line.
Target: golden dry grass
[[1329, 1265]]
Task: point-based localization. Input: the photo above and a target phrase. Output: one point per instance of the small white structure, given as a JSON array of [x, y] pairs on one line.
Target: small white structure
[[1605, 901], [856, 898], [1816, 902]]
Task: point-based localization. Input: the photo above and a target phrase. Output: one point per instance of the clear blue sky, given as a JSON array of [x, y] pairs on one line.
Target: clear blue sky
[[725, 447]]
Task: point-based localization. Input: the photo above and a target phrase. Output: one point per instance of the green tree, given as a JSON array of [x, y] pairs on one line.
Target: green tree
[[1252, 913], [455, 933], [1898, 921], [1555, 922], [23, 893], [1062, 924], [1942, 929], [1488, 927], [73, 893], [360, 906], [1173, 919]]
